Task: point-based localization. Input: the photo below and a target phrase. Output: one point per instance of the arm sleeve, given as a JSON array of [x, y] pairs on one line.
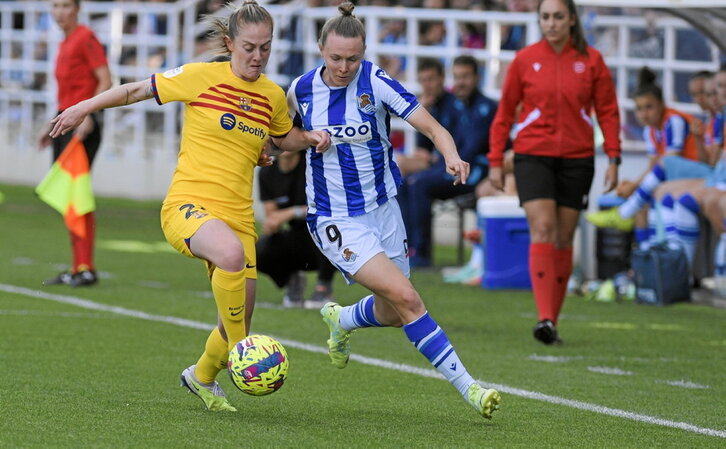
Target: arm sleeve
[[174, 84], [511, 96], [650, 148], [402, 102], [281, 122], [94, 52], [675, 134], [606, 106]]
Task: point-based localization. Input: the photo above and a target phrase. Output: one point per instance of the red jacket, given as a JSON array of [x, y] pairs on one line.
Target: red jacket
[[557, 93]]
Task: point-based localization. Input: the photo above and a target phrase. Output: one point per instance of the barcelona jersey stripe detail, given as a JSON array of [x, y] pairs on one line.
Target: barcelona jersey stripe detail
[[153, 88], [231, 111]]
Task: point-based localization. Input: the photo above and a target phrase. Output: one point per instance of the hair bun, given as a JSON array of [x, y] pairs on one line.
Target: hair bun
[[646, 76], [346, 8]]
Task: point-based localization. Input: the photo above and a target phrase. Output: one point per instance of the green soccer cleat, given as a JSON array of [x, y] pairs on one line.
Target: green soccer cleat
[[211, 394], [610, 218], [339, 341], [485, 401]]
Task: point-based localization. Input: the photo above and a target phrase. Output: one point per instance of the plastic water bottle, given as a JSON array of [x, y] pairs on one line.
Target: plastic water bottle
[[624, 286]]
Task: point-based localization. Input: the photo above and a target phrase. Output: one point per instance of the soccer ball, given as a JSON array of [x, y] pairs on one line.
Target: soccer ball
[[258, 365]]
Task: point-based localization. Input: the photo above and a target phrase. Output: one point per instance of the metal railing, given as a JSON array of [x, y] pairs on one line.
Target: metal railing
[[140, 142]]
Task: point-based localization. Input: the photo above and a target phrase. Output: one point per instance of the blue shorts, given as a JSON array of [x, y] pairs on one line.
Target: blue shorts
[[677, 167], [717, 178]]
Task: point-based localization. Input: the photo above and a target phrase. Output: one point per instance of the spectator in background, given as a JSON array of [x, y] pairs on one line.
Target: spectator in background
[[648, 43], [673, 152], [81, 73], [472, 35], [446, 109], [393, 32], [514, 37], [677, 183], [286, 250], [470, 130], [554, 146], [702, 90], [432, 34]]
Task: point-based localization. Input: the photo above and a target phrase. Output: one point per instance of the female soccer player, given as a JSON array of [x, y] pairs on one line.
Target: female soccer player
[[230, 110], [557, 81], [81, 72], [352, 212]]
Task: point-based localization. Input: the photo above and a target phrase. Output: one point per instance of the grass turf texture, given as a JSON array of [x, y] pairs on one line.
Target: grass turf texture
[[75, 377]]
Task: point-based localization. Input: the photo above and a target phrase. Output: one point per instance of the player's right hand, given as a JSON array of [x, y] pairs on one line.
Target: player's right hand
[[67, 120], [496, 177], [320, 139]]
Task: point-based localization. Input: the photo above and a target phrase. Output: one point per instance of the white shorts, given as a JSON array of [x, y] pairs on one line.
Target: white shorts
[[350, 242]]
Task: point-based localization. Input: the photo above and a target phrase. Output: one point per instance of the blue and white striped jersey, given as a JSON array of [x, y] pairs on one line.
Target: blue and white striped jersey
[[358, 173]]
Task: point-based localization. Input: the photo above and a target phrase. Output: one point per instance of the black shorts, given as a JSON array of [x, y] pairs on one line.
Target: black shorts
[[567, 181], [91, 142]]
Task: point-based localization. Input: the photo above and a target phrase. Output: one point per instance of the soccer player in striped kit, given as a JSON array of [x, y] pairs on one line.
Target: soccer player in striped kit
[[353, 215]]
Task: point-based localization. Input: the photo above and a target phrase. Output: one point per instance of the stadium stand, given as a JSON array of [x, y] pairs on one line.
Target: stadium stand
[[141, 140], [139, 150]]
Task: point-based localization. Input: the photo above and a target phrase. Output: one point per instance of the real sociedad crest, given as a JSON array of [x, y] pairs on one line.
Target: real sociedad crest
[[244, 103], [365, 104]]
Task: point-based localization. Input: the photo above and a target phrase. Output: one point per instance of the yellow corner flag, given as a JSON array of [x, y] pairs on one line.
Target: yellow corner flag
[[67, 187]]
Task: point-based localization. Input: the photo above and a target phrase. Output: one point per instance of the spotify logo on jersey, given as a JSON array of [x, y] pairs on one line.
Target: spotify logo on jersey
[[227, 121]]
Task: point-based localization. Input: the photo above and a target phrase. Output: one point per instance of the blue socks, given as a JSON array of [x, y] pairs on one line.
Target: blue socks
[[359, 315], [433, 343]]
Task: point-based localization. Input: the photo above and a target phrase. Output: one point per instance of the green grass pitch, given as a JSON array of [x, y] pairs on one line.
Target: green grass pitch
[[99, 367]]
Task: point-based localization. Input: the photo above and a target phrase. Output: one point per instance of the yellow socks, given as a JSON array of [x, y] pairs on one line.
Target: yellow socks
[[229, 294], [214, 358]]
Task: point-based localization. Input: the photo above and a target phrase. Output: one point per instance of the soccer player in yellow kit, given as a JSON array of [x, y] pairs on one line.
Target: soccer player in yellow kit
[[231, 109]]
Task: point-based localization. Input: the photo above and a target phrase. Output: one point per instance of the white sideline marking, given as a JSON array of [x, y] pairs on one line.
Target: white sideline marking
[[424, 372], [609, 370], [55, 314], [684, 384]]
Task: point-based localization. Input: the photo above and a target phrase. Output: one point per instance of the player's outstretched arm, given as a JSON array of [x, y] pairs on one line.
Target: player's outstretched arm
[[427, 125], [118, 96], [298, 139]]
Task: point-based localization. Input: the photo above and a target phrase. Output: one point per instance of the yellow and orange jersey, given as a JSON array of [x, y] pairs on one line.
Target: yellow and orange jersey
[[226, 122]]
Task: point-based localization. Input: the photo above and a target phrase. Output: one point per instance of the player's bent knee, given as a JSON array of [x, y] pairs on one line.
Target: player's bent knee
[[408, 299], [231, 258]]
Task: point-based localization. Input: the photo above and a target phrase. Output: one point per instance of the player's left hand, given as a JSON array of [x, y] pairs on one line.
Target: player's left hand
[[611, 178], [265, 160], [459, 169], [319, 139]]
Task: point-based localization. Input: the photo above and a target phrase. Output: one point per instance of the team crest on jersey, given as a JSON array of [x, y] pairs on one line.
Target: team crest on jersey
[[349, 255], [244, 103], [365, 104], [578, 67]]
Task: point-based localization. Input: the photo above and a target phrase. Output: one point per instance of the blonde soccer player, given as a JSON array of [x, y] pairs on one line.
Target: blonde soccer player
[[231, 109]]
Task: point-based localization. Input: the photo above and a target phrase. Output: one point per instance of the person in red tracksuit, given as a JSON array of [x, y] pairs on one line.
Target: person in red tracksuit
[[555, 83], [81, 72]]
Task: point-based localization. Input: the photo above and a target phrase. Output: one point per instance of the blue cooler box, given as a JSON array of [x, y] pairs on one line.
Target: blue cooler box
[[506, 243]]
